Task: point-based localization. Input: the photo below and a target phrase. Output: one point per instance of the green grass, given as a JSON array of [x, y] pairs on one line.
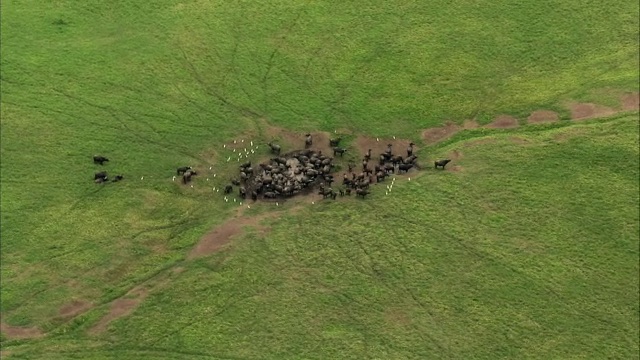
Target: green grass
[[529, 252]]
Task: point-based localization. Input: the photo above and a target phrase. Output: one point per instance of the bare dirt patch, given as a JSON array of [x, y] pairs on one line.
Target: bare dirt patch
[[542, 116], [119, 308], [74, 308], [630, 101], [503, 122], [435, 135], [583, 111], [223, 234], [17, 332]]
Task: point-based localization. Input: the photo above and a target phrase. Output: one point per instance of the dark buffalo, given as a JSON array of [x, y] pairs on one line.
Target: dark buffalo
[[100, 175], [117, 178], [337, 150], [328, 192], [228, 189], [404, 168], [367, 156], [388, 151], [182, 170], [242, 192], [389, 168], [361, 192], [334, 142], [186, 177], [275, 148], [308, 141], [97, 159], [410, 149], [411, 159], [441, 163], [396, 159]]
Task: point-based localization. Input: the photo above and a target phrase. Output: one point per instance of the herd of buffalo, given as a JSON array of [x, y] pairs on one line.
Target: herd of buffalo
[[299, 171]]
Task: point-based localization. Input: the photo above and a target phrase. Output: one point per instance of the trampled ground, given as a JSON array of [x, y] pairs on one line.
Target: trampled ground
[[526, 246]]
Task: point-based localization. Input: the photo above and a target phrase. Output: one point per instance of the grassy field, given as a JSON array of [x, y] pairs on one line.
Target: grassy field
[[530, 250]]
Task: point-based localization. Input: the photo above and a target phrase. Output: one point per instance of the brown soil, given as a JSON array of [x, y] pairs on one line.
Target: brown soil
[[17, 332], [631, 101], [542, 116], [119, 308], [74, 308], [223, 234], [582, 111], [503, 122], [434, 135]]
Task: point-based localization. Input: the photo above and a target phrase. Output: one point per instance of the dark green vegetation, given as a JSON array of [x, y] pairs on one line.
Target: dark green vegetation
[[531, 250]]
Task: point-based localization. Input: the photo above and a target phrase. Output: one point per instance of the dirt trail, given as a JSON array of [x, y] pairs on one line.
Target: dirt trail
[[579, 111], [74, 308], [224, 233], [119, 308], [17, 332], [435, 135], [630, 101]]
